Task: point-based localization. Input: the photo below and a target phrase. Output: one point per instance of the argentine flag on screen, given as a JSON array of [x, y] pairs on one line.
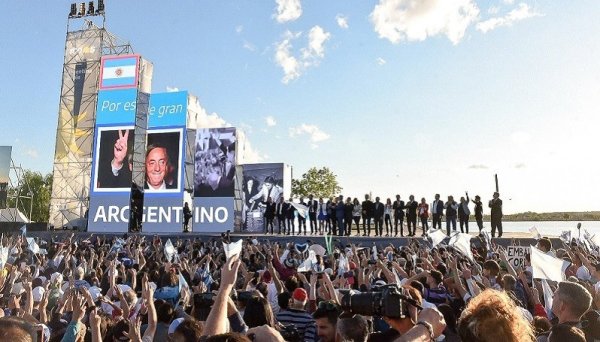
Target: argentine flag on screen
[[119, 72]]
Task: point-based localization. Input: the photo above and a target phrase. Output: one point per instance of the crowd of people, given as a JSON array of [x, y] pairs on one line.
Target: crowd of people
[[337, 216], [138, 288]]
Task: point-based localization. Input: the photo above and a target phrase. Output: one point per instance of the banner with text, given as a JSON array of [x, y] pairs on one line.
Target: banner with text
[[516, 255], [163, 194], [113, 157]]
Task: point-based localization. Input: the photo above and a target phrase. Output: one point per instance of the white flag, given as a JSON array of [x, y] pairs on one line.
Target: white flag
[[547, 267], [535, 233], [3, 256], [462, 242], [436, 236], [309, 262], [169, 250], [233, 248], [33, 246], [548, 298]]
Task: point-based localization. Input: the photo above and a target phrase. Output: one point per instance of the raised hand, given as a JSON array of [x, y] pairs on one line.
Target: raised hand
[[120, 148]]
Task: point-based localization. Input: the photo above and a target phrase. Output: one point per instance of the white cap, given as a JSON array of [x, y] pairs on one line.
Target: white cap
[[38, 292]]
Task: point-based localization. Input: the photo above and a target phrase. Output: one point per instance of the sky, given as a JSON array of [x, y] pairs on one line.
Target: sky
[[394, 96]]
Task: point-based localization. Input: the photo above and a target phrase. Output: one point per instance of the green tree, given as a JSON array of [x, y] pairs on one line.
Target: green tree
[[35, 185], [317, 182]]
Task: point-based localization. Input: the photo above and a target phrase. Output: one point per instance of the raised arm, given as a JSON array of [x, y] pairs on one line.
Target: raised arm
[[216, 323]]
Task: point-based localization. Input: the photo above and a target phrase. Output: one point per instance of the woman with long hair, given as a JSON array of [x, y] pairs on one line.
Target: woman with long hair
[[387, 216], [258, 312]]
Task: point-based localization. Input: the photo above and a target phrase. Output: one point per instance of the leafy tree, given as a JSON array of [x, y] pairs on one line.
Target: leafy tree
[[38, 185], [317, 182]]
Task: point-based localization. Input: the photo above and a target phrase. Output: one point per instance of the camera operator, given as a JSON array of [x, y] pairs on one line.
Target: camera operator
[[398, 326]]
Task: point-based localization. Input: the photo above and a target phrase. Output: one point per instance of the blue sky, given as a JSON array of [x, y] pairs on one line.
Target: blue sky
[[393, 97]]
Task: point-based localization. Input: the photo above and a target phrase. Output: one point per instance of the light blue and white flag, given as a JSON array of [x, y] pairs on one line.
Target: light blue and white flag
[[119, 72], [23, 230]]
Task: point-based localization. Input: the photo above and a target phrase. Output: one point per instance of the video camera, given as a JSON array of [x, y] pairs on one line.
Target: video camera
[[385, 301]]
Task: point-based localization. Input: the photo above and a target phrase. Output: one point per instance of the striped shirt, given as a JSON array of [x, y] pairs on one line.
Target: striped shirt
[[303, 321]]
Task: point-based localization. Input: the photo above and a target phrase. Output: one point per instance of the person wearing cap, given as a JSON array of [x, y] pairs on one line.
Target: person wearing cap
[[296, 314]]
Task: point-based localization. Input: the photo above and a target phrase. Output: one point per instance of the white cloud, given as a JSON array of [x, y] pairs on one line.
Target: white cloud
[[493, 10], [520, 137], [270, 120], [478, 167], [310, 56], [31, 153], [172, 89], [342, 21], [285, 59], [288, 10], [407, 20], [314, 133], [316, 43], [249, 46], [380, 61], [509, 2], [239, 29], [523, 11]]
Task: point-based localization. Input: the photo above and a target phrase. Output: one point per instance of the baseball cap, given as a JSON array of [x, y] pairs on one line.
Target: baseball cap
[[300, 294]]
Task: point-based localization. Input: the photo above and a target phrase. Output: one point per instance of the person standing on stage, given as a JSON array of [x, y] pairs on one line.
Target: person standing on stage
[[451, 211], [378, 210], [187, 215], [339, 215], [313, 206], [437, 211], [322, 214], [356, 212], [302, 219], [463, 213], [269, 214], [330, 222], [387, 216], [367, 215], [411, 215], [281, 211], [496, 213], [398, 207], [478, 212], [348, 211], [424, 215], [290, 214]]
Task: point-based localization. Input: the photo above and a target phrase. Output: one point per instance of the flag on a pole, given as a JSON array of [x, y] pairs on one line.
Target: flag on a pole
[[545, 266]]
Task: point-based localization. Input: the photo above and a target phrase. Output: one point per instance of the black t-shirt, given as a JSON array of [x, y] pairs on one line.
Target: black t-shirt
[[384, 336]]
